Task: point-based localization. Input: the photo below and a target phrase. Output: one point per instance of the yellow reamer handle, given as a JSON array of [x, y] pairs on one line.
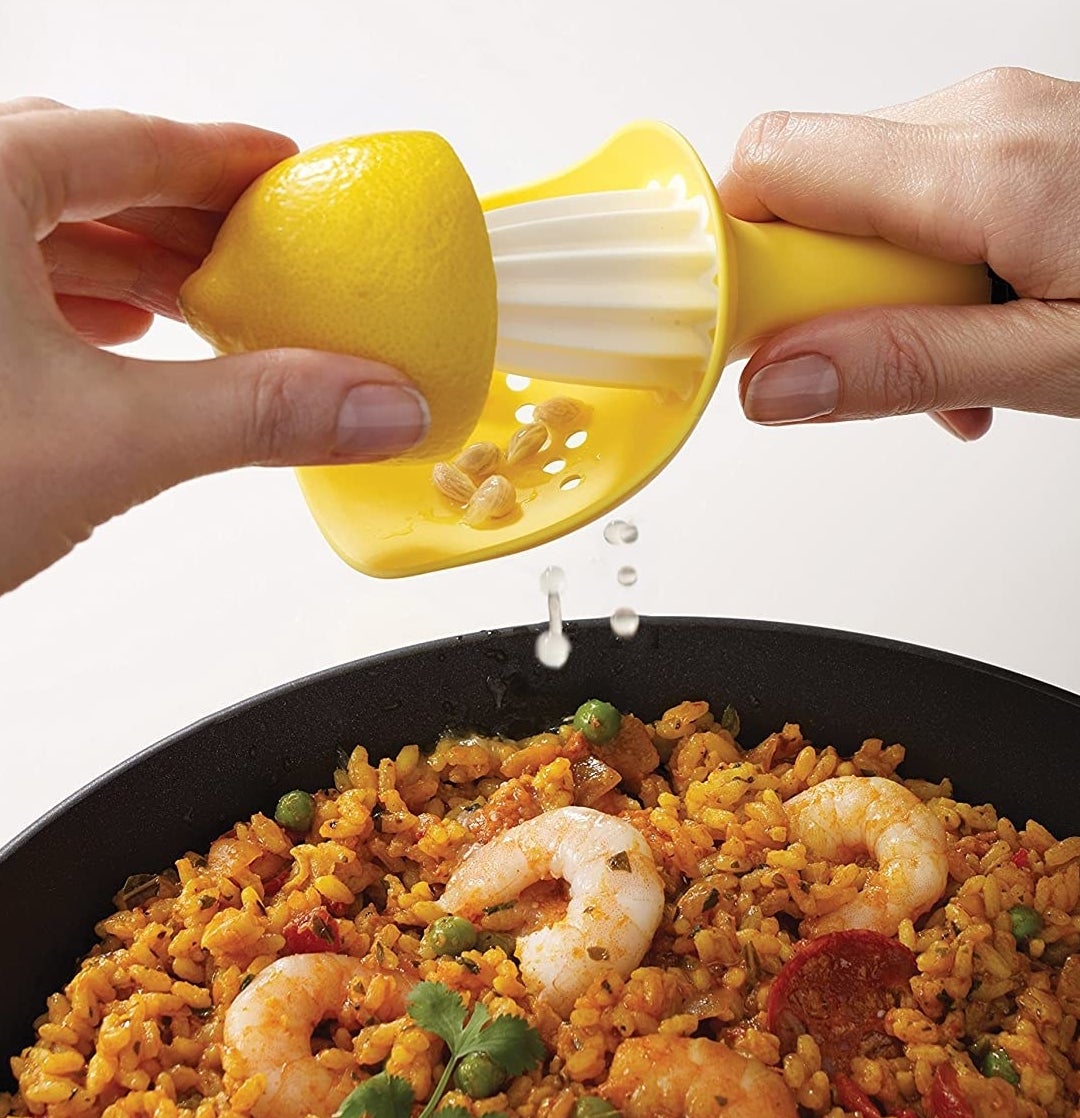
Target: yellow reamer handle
[[784, 274]]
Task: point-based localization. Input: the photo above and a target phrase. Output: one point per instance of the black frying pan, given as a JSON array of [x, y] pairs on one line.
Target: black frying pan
[[1001, 737]]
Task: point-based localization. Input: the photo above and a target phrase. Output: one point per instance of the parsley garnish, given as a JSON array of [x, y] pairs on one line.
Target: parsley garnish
[[510, 1041]]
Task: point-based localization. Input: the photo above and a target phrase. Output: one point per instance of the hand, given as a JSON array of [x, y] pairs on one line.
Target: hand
[[102, 216], [985, 170]]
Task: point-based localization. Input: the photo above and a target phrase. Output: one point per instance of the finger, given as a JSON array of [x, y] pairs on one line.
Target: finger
[[93, 260], [912, 184], [29, 105], [78, 166], [101, 322], [967, 424], [278, 407], [893, 360], [184, 230]]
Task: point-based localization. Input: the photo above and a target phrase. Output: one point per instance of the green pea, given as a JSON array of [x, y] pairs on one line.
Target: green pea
[[486, 940], [1026, 922], [996, 1062], [479, 1076], [295, 810], [449, 935], [592, 1106], [598, 721]]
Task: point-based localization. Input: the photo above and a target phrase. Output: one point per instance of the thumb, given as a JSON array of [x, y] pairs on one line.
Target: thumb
[[881, 361], [275, 407]]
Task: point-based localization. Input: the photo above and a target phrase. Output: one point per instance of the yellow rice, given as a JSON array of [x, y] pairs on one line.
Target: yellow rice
[[138, 1030]]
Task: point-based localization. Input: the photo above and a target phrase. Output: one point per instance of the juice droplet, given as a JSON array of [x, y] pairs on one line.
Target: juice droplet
[[553, 581], [624, 622], [620, 531], [627, 576]]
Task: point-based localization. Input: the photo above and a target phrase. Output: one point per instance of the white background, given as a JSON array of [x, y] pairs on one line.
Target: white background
[[224, 587]]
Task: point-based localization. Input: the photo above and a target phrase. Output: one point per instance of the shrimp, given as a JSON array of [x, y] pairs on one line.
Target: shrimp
[[848, 815], [616, 896], [677, 1077], [268, 1030]]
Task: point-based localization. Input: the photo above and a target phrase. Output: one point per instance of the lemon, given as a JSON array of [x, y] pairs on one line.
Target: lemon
[[373, 246]]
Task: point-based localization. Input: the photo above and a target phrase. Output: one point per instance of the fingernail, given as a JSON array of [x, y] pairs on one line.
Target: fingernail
[[788, 391], [381, 420], [943, 419]]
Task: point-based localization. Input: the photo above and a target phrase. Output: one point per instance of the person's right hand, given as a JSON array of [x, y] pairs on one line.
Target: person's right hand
[[986, 170]]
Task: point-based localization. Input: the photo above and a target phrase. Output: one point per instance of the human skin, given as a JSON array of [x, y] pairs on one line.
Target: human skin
[[983, 171], [103, 215]]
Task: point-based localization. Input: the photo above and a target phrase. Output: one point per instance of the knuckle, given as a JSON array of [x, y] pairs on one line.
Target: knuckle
[[273, 411], [763, 138], [29, 105], [909, 378], [1009, 86]]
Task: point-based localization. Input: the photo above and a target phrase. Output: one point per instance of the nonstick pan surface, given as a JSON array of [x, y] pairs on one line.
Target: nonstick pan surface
[[1002, 738]]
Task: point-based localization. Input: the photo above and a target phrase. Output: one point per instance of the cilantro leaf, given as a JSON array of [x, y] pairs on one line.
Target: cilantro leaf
[[513, 1043], [439, 1010], [381, 1096], [510, 1041]]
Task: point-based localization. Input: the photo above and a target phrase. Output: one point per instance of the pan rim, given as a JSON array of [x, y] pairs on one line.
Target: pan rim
[[729, 624]]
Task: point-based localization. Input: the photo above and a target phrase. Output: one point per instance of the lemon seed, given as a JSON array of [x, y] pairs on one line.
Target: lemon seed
[[495, 497], [560, 411], [453, 483], [525, 442], [479, 460]]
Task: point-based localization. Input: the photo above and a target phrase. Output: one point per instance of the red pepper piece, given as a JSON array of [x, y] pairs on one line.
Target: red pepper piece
[[311, 932], [853, 1098], [946, 1098], [1021, 858], [837, 988]]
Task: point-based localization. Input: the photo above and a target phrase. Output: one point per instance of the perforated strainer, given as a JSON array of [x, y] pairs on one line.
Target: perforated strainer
[[623, 285]]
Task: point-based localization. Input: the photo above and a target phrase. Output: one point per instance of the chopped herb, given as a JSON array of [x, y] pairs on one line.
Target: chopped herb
[[470, 966], [246, 981], [206, 901], [597, 954], [620, 861], [729, 720], [504, 907], [592, 1106], [997, 1064], [711, 901]]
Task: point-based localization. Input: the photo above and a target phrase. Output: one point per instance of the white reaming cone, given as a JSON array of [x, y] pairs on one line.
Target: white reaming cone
[[616, 288]]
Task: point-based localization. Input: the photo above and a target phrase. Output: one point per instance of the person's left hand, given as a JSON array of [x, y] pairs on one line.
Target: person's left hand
[[103, 215]]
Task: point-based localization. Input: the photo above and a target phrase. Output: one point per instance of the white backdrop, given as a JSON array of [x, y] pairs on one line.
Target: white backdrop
[[224, 587]]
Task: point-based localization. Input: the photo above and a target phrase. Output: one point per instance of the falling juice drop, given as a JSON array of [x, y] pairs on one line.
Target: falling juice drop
[[553, 580], [624, 622], [626, 576], [552, 645], [620, 531]]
